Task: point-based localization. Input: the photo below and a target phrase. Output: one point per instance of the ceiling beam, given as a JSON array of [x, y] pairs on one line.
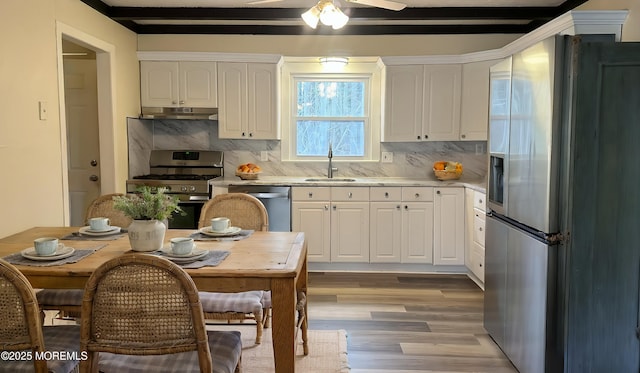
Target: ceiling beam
[[282, 14]]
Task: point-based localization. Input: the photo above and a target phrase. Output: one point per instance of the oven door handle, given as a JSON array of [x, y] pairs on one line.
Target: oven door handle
[[269, 195], [195, 199]]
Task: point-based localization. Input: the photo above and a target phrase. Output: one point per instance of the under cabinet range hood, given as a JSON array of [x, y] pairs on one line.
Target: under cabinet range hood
[[193, 113]]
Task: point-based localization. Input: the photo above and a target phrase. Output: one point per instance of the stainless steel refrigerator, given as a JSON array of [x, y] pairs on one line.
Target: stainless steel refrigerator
[[533, 204]]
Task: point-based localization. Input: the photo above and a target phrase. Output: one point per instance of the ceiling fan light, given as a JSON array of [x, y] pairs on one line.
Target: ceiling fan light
[[328, 14], [311, 17], [339, 19]]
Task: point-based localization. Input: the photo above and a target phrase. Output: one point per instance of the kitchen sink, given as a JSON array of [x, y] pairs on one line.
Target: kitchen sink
[[335, 179]]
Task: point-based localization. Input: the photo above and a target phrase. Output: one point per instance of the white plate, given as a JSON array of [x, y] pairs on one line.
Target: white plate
[[87, 231], [196, 254], [109, 229], [61, 252], [231, 231]]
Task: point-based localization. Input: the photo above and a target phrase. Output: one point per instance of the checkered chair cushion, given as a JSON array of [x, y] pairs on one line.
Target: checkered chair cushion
[[226, 349], [245, 302], [234, 306], [56, 338], [60, 297]]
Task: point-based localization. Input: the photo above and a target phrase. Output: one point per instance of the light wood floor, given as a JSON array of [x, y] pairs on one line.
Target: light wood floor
[[406, 323]]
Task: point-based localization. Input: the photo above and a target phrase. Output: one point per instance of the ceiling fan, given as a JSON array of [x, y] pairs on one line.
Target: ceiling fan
[[327, 12]]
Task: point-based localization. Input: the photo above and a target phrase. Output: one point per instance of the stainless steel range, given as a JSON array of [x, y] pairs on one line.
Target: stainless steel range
[[186, 174]]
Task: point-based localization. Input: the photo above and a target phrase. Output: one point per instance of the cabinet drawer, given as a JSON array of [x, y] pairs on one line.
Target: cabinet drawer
[[350, 194], [381, 194], [311, 193], [478, 228], [477, 261], [422, 194], [479, 201]]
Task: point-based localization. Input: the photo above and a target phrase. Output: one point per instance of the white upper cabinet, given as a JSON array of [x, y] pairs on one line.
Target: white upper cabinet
[[474, 121], [178, 83], [422, 103], [247, 100]]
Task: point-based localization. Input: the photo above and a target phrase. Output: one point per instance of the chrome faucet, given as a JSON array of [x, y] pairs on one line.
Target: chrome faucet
[[331, 168]]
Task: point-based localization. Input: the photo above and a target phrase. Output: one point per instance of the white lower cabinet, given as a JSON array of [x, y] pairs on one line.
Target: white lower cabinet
[[417, 232], [448, 226], [475, 207], [417, 225], [311, 214]]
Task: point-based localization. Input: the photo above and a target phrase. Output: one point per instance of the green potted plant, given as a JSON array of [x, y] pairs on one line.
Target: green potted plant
[[149, 209]]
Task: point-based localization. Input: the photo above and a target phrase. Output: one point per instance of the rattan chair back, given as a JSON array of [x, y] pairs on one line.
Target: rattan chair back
[[20, 327], [103, 207], [140, 304], [243, 210]]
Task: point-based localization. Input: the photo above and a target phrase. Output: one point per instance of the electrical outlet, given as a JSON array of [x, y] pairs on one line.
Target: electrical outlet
[[479, 149], [264, 156], [387, 157]]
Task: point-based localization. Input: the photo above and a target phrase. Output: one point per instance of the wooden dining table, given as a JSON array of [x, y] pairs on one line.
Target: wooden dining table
[[275, 261]]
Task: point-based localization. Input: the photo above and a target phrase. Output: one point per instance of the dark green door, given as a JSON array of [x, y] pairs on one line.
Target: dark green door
[[603, 262]]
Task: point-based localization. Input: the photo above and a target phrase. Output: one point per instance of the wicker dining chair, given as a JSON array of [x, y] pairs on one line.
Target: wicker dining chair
[[68, 302], [243, 210], [141, 313], [103, 207], [21, 329], [247, 212]]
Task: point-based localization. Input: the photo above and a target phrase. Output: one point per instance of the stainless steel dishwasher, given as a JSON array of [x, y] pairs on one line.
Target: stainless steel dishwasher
[[277, 200]]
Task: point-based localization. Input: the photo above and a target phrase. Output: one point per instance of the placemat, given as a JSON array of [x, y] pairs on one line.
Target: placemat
[[18, 259], [240, 236], [77, 236], [212, 259]]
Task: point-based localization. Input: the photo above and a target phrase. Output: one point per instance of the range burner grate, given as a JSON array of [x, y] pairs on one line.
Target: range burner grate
[[175, 177]]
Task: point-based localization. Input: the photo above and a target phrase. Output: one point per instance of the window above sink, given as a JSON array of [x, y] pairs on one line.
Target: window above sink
[[338, 107]]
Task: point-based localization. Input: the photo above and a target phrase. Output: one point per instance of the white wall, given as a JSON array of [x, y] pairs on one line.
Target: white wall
[[31, 161]]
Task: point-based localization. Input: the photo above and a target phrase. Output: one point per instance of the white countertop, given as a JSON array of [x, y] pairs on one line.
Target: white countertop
[[478, 185]]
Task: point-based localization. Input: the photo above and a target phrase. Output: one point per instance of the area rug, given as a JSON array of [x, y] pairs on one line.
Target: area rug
[[327, 350]]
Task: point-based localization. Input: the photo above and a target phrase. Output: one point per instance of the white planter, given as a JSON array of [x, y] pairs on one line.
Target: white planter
[[146, 235]]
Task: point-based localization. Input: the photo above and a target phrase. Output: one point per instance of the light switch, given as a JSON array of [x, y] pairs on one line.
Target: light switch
[[387, 157], [42, 107], [264, 156]]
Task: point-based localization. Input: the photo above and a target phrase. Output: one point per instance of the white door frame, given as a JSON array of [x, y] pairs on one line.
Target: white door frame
[[105, 62]]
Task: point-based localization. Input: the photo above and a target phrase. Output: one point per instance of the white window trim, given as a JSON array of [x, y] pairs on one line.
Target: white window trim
[[311, 68]]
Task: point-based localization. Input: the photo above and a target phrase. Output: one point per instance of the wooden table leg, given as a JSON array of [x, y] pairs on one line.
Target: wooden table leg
[[283, 302]]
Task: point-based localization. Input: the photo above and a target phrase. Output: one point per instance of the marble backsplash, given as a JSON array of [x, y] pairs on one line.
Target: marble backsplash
[[409, 159]]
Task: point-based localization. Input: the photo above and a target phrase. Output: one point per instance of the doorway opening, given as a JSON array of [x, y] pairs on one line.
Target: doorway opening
[[85, 73]]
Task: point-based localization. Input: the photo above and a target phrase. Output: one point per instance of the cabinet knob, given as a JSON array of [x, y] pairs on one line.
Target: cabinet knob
[[310, 194], [463, 136], [174, 102], [386, 194], [250, 134], [480, 265], [417, 195], [437, 192], [326, 208], [181, 102], [243, 135], [93, 163], [350, 194], [335, 207], [480, 229], [406, 207], [418, 137], [398, 207], [426, 137], [479, 201]]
